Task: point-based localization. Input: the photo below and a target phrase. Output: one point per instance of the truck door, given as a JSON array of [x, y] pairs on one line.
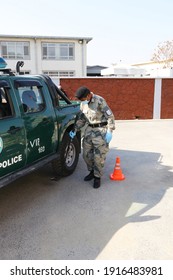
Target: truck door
[[38, 117], [12, 132]]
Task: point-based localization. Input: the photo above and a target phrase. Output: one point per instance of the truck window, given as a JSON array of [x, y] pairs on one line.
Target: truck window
[[61, 98], [5, 104], [32, 99]]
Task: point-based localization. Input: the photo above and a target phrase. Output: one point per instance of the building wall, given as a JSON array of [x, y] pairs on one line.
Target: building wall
[[129, 98], [36, 65]]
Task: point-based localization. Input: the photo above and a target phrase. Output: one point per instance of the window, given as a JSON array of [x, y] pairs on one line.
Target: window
[[31, 98], [15, 50], [5, 104], [59, 73], [24, 72], [58, 51]]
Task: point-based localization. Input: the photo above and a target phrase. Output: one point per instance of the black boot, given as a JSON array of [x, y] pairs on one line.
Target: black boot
[[90, 176], [97, 182]]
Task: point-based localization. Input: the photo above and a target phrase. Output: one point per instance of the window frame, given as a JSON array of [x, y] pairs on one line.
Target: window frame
[[60, 73], [58, 51], [14, 47], [38, 90]]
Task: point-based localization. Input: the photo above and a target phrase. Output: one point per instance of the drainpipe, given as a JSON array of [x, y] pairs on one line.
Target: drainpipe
[[81, 42], [36, 56]]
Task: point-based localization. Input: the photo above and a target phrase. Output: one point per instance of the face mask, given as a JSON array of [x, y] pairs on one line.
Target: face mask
[[84, 102]]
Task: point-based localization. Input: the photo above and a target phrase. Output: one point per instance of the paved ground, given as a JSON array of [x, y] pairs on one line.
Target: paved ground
[[68, 219]]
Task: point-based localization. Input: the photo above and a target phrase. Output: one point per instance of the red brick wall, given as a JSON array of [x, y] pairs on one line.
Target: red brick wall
[[128, 98], [167, 99]]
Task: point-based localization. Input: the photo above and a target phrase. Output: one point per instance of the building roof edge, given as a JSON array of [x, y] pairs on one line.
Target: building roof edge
[[47, 37]]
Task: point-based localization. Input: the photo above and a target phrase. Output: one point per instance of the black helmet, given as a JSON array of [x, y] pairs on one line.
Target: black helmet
[[82, 92]]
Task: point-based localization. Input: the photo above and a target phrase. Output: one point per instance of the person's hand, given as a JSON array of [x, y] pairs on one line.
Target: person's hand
[[72, 134], [108, 136]]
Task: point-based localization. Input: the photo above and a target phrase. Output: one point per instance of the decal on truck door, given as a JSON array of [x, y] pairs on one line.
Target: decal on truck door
[[36, 143], [11, 161]]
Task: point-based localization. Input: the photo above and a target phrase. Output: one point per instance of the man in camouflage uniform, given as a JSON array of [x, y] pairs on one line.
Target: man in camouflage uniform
[[99, 121]]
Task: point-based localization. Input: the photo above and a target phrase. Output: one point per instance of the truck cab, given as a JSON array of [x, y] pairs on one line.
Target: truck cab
[[35, 120]]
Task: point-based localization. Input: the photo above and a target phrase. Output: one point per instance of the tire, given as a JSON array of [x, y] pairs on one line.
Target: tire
[[68, 156]]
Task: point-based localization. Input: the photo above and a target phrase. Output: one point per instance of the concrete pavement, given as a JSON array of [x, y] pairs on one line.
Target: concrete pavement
[[123, 220]]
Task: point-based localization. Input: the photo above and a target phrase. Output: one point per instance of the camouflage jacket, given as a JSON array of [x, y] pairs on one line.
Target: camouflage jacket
[[96, 111]]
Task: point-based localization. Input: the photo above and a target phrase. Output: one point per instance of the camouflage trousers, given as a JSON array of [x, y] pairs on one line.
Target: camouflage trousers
[[95, 149]]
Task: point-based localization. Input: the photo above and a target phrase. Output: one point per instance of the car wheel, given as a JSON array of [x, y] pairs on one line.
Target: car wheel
[[68, 156]]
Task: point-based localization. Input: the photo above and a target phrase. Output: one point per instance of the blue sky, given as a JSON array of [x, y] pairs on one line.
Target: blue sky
[[122, 30]]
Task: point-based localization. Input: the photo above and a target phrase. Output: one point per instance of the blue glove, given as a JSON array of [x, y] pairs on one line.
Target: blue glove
[[108, 136], [72, 134]]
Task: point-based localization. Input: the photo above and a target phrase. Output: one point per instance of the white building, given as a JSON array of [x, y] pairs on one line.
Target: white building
[[157, 69], [55, 56], [123, 70], [145, 69]]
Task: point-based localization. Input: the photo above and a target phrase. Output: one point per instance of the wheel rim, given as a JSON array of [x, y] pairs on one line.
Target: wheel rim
[[71, 155]]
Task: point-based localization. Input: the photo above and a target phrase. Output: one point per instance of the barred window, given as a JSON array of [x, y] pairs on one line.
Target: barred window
[[60, 73], [26, 72], [58, 51], [15, 50]]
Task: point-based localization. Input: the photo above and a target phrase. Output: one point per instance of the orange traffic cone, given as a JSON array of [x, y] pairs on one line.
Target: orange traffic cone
[[117, 174]]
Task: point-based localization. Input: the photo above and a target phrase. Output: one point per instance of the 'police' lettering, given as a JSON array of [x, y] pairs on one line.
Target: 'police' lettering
[[10, 161]]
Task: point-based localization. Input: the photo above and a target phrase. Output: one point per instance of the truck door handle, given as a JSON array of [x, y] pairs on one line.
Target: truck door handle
[[14, 129], [46, 120]]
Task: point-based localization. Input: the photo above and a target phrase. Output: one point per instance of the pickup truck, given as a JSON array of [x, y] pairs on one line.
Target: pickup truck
[[35, 120]]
